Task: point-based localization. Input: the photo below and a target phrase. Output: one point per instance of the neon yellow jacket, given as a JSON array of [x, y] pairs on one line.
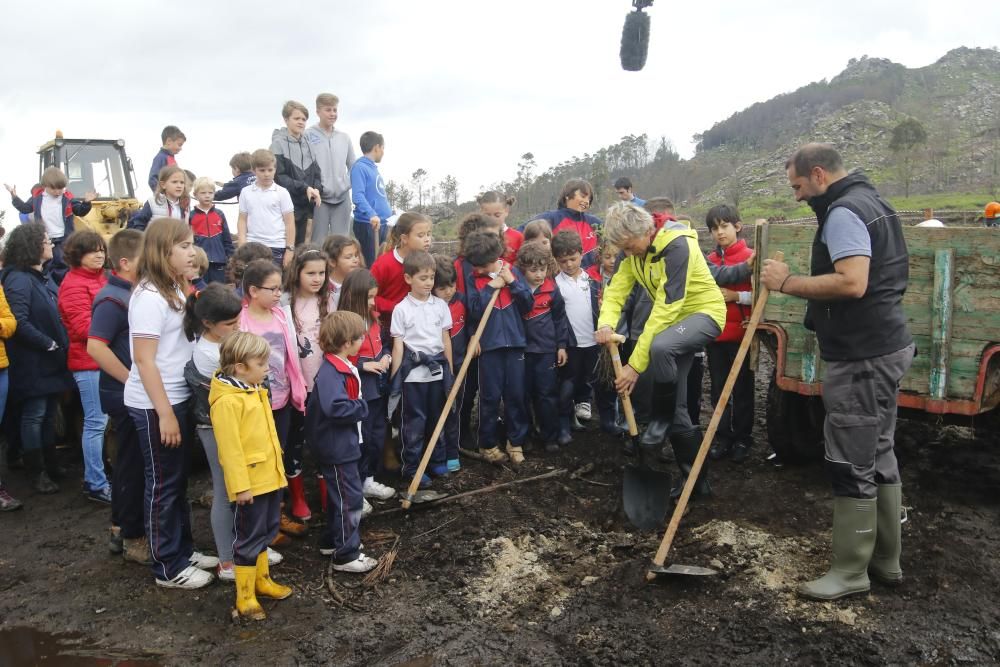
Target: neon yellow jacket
[[675, 274], [249, 449]]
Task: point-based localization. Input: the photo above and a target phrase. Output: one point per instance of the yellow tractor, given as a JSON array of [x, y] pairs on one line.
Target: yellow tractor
[[95, 165]]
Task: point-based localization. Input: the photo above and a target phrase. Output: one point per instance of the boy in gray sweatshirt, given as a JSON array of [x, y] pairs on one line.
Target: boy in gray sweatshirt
[[335, 154]]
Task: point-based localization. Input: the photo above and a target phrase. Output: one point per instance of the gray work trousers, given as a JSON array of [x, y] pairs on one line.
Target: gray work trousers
[[332, 219], [670, 358], [860, 402]]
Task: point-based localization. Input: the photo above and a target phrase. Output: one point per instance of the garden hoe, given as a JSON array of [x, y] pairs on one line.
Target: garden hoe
[[412, 495], [706, 442], [645, 490]]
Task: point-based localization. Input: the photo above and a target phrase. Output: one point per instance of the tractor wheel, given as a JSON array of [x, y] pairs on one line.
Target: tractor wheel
[[794, 425]]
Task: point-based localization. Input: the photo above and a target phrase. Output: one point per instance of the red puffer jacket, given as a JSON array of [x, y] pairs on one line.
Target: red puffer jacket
[[76, 299], [735, 313]]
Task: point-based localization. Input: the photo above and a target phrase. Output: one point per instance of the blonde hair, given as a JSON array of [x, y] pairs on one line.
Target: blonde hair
[[262, 158], [292, 105], [158, 243], [327, 100], [202, 183], [626, 221], [241, 347], [200, 261]]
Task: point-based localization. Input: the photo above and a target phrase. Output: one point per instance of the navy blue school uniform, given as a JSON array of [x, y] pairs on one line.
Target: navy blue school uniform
[[501, 364], [233, 188], [211, 234], [71, 207], [459, 348], [334, 412], [546, 332], [463, 275], [375, 390], [109, 324], [420, 408]]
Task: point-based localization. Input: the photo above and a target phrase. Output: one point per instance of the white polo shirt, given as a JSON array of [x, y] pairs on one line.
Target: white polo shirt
[[579, 308], [419, 324], [265, 209], [52, 216], [151, 317]]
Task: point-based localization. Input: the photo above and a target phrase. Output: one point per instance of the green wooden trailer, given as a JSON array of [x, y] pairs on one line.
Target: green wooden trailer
[[952, 306]]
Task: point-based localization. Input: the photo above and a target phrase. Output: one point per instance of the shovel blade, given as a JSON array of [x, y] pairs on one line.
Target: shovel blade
[[646, 496], [689, 570]]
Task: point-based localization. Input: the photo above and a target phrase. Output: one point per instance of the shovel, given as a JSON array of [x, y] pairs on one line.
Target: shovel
[[657, 567], [645, 491]]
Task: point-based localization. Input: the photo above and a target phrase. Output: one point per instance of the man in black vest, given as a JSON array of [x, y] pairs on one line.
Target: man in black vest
[[859, 272]]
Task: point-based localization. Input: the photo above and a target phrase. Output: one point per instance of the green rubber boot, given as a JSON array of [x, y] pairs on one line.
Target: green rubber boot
[[885, 567], [854, 528]]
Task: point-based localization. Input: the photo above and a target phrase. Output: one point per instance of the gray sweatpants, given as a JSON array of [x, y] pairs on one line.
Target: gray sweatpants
[[222, 509], [860, 401], [670, 358], [332, 219]]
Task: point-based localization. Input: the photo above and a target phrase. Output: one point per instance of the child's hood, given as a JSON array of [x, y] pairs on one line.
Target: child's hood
[[296, 150], [224, 385]]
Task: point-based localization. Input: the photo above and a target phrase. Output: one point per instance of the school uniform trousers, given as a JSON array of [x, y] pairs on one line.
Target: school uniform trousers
[[541, 382], [501, 378], [255, 525]]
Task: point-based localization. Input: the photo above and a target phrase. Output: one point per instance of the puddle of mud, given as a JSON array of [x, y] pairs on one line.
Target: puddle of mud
[[26, 647]]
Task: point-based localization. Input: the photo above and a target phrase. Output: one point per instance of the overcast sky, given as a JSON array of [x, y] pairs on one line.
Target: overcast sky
[[456, 87]]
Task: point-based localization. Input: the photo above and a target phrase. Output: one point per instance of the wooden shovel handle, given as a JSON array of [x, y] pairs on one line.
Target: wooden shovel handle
[[720, 407], [616, 362]]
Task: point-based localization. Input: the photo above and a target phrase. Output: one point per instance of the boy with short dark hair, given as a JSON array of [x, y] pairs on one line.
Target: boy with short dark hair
[[547, 337], [266, 211], [445, 282], [371, 207], [172, 140], [334, 413], [580, 290], [242, 168], [108, 345], [623, 186], [421, 364], [501, 359], [735, 435], [54, 205]]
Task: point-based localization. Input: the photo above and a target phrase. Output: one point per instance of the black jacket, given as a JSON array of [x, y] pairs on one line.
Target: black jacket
[[874, 325], [35, 369]]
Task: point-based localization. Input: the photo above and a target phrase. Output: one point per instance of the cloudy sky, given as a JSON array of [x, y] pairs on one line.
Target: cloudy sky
[[456, 86]]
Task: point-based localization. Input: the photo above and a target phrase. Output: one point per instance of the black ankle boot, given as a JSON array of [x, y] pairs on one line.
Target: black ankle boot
[[663, 404], [34, 464], [686, 446]]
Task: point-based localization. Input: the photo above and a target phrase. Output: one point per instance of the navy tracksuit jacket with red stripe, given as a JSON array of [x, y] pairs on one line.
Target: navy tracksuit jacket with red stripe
[[547, 331]]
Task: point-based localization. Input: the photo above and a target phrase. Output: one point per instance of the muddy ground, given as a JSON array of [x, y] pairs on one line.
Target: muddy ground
[[549, 573]]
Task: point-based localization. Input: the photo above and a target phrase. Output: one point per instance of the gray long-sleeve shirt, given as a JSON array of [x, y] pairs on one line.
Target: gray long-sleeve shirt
[[335, 155]]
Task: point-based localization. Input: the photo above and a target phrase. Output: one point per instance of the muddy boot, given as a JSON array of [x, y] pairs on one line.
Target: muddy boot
[[686, 446], [137, 550], [297, 494], [57, 473], [854, 527], [246, 600], [494, 455], [884, 566], [263, 583], [290, 527], [515, 453], [34, 463], [662, 408]]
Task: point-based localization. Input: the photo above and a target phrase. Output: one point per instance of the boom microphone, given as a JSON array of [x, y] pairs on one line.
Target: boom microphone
[[635, 38]]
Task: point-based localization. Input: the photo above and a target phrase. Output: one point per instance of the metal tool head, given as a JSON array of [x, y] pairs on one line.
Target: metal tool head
[[689, 570], [645, 496], [425, 496]]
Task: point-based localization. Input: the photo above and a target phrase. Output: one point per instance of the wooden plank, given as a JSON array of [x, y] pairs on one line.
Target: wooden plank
[[941, 309]]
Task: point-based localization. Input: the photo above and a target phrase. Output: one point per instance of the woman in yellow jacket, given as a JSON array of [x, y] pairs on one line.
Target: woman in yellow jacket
[[688, 312], [250, 455], [7, 327]]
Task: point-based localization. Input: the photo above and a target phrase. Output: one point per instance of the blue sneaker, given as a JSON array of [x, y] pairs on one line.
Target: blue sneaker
[[438, 469], [102, 496], [454, 465], [425, 482]]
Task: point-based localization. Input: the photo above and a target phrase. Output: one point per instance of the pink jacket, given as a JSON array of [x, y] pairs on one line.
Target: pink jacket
[[296, 381]]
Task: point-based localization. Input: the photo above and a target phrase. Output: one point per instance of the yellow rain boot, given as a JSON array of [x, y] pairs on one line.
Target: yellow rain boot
[[265, 585], [246, 601]]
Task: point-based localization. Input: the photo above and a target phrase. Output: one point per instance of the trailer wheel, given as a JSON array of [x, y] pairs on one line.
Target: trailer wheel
[[794, 425]]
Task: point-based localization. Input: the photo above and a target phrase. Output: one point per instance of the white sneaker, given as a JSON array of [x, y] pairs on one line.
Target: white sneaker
[[224, 574], [203, 562], [273, 557], [583, 412], [362, 564], [373, 489], [366, 509], [189, 578]]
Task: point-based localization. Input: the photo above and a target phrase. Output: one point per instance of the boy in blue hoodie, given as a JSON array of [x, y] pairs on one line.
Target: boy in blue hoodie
[[334, 412], [501, 361], [173, 140], [242, 166], [371, 206]]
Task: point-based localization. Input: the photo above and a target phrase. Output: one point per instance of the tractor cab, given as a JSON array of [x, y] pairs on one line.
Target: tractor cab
[[95, 165]]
